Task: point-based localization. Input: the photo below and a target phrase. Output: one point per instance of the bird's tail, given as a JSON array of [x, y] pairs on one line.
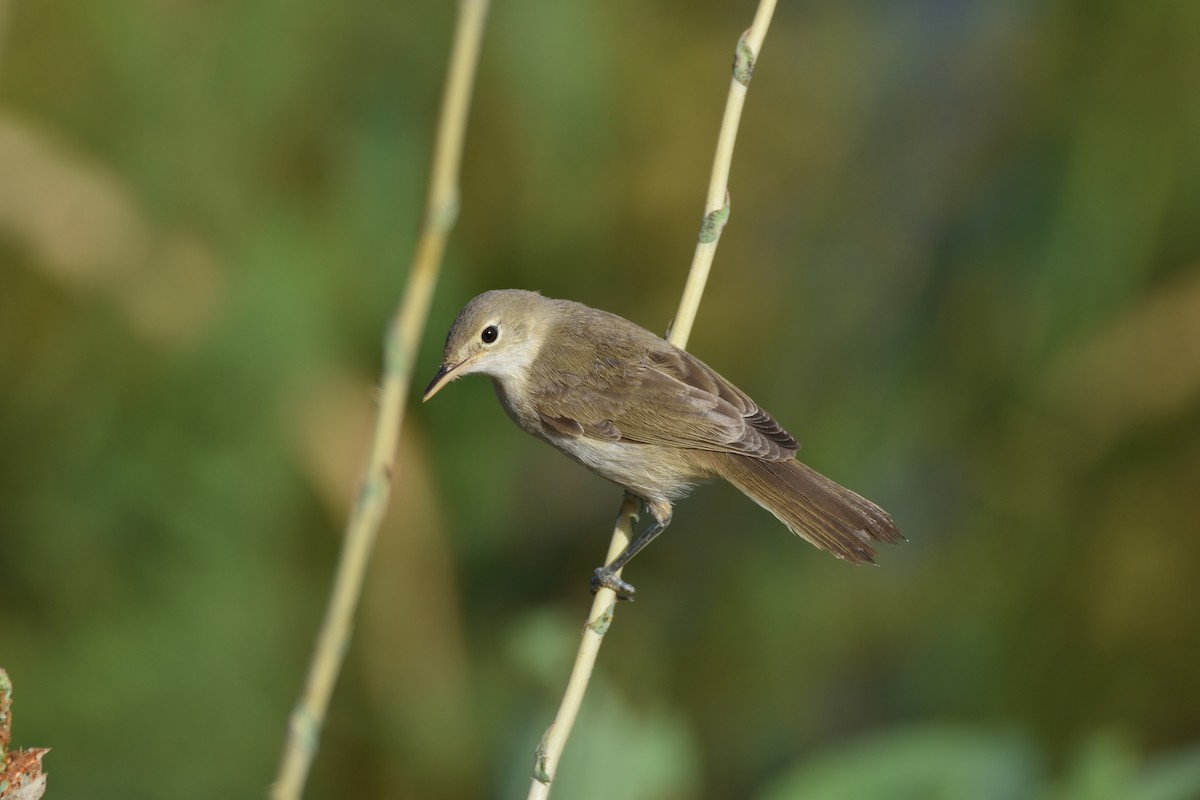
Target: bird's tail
[[828, 515]]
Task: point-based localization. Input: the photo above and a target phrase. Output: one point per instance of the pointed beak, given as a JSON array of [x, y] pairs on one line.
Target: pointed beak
[[445, 374]]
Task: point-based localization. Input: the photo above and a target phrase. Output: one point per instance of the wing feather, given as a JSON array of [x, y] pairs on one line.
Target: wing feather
[[619, 381]]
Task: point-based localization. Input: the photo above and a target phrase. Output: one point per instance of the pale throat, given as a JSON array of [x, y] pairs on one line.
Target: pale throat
[[510, 367]]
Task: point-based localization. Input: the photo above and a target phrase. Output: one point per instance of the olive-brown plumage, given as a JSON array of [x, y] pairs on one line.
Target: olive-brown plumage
[[648, 416]]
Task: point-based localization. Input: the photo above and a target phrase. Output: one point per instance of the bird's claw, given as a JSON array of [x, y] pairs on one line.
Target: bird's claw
[[603, 578]]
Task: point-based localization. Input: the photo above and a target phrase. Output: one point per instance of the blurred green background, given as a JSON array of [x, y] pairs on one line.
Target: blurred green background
[[963, 267]]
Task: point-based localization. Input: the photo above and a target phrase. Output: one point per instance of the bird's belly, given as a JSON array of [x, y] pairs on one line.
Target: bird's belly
[[650, 471]]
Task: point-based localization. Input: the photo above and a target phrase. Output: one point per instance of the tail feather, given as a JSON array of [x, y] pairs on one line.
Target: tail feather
[[826, 514]]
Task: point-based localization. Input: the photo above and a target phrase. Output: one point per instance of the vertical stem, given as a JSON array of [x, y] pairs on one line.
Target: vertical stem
[[716, 212], [400, 347], [716, 201]]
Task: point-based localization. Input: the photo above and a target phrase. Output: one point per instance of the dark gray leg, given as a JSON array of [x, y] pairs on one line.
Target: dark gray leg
[[606, 576]]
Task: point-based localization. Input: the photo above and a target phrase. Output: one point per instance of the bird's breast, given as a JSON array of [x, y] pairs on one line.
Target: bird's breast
[[654, 472], [649, 471]]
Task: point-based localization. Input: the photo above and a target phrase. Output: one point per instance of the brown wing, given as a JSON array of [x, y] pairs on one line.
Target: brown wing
[[623, 382]]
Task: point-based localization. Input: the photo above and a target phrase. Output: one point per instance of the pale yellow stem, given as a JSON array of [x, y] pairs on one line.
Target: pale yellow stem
[[716, 212], [400, 347], [716, 202]]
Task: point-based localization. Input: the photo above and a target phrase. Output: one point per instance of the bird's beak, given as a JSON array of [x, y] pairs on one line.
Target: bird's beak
[[445, 374]]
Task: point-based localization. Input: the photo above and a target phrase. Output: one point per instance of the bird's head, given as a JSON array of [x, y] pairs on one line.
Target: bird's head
[[498, 334]]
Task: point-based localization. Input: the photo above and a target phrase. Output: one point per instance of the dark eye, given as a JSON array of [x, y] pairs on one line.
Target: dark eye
[[489, 334]]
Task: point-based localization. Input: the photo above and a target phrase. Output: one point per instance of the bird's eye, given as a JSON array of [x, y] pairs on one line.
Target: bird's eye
[[489, 334]]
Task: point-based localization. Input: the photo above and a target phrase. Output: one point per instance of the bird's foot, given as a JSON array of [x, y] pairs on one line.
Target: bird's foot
[[604, 578]]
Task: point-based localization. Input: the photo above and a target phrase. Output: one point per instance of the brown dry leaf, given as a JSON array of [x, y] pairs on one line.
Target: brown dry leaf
[[77, 218], [81, 226], [1145, 365], [175, 296], [21, 776], [410, 627]]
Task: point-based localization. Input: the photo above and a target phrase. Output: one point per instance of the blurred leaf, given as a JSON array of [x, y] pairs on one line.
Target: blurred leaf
[[1104, 770], [1174, 776], [619, 750], [932, 763], [617, 747], [1108, 768]]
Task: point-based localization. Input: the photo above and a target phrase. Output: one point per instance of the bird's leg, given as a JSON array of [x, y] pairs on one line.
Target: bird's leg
[[606, 576]]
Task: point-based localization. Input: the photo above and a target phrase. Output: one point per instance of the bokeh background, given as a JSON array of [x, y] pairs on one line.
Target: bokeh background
[[962, 267]]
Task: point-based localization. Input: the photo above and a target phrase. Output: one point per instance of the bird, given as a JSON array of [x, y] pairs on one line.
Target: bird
[[648, 416]]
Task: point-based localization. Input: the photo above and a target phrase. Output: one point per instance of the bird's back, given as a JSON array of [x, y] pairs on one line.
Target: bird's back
[[612, 379]]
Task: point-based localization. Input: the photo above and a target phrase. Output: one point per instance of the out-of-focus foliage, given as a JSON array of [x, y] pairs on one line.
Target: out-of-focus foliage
[[962, 267], [950, 763]]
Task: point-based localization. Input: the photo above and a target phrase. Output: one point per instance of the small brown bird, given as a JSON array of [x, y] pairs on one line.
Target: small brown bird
[[650, 417]]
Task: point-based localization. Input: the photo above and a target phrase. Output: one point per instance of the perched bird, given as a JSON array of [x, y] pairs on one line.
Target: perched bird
[[652, 418]]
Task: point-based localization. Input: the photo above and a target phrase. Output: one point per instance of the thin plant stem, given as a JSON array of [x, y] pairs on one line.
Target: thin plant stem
[[716, 202], [716, 213], [400, 348]]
